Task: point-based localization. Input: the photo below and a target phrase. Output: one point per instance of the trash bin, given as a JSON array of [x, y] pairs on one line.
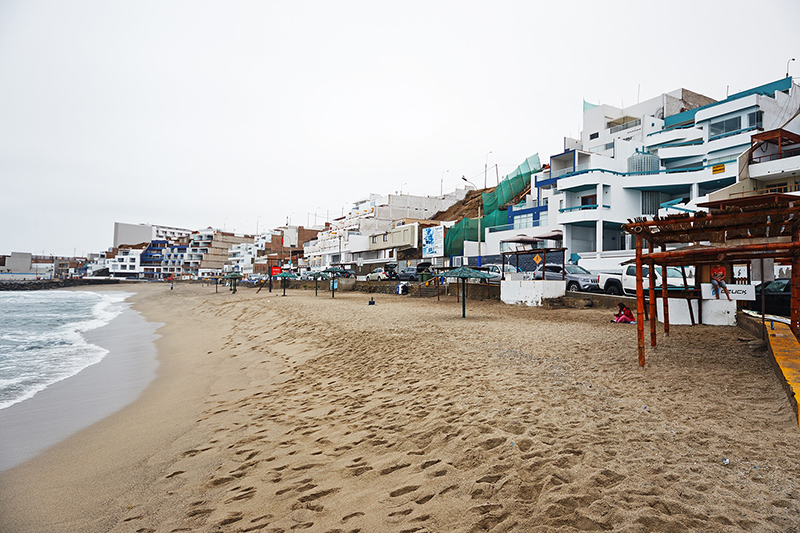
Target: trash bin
[[425, 276]]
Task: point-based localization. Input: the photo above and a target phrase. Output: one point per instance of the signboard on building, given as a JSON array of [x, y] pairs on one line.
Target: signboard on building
[[433, 241], [718, 169], [274, 271], [737, 292]]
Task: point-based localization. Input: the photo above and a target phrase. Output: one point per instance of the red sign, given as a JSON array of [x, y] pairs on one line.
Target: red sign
[[274, 271]]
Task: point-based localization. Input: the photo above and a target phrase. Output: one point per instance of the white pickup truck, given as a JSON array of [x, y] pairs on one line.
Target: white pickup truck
[[625, 282]]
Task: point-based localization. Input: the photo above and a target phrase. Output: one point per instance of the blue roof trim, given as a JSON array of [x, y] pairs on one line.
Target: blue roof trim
[[768, 89]]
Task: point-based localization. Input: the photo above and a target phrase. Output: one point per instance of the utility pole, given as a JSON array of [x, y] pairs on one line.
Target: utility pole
[[480, 204]]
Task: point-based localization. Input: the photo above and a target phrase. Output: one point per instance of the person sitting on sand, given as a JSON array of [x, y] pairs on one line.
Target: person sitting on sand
[[718, 280], [625, 315]]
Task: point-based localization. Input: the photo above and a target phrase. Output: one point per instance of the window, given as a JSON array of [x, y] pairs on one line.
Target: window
[[755, 119], [589, 201], [386, 237], [725, 126], [375, 238], [594, 136], [651, 201]]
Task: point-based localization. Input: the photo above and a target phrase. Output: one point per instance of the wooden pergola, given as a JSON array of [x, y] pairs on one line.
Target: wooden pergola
[[736, 230]]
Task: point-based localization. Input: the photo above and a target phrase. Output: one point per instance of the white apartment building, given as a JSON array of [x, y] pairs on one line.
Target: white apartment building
[[348, 242], [242, 256], [139, 233], [661, 156], [126, 263]]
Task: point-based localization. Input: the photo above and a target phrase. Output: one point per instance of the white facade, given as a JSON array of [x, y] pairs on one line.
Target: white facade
[[126, 263], [598, 182], [140, 233], [241, 257], [348, 240]]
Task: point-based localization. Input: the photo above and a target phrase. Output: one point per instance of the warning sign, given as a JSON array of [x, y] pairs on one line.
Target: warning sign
[[537, 259]]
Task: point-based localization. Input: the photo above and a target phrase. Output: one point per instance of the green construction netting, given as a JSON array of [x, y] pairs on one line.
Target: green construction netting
[[512, 185], [467, 230]]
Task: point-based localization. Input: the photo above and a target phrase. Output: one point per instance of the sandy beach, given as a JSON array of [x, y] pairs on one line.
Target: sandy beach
[[273, 413]]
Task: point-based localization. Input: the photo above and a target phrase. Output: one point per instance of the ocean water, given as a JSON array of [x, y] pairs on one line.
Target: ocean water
[[42, 341]]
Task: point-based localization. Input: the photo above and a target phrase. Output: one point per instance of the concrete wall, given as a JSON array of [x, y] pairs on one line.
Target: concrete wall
[[715, 312], [531, 293], [132, 233], [18, 262]]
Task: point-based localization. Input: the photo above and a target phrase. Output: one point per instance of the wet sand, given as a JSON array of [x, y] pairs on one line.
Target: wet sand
[[65, 407], [275, 413]]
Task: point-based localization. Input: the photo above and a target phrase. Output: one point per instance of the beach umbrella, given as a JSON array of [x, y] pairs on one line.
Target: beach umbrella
[[234, 277], [464, 273], [284, 276], [317, 276], [332, 271]]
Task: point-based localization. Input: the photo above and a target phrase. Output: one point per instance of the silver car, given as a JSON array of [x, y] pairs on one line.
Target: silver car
[[577, 277]]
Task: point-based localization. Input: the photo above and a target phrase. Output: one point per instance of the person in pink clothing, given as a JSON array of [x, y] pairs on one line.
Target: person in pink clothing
[[625, 315]]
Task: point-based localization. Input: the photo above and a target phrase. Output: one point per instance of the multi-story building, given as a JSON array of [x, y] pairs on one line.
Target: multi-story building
[[207, 252], [139, 233], [126, 262], [152, 259], [348, 242], [663, 155], [172, 258]]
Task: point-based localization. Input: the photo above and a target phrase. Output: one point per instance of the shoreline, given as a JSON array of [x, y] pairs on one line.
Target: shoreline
[[273, 413], [95, 392]]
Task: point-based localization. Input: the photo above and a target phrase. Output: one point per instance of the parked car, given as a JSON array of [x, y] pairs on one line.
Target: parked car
[[408, 274], [311, 276], [777, 297], [577, 277], [380, 273], [497, 271], [625, 282]]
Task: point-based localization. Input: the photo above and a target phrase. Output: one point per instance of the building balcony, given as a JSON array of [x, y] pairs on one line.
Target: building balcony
[[582, 213]]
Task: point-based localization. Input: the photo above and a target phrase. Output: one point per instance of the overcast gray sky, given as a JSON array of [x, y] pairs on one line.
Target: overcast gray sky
[[242, 114]]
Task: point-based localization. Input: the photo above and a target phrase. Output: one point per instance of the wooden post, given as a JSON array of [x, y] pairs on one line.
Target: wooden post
[[698, 288], [639, 299], [463, 297], [795, 280], [652, 295], [688, 299], [665, 295]]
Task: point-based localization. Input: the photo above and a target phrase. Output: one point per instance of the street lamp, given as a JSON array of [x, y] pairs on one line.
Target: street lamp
[[441, 192], [485, 169], [480, 203], [787, 66]]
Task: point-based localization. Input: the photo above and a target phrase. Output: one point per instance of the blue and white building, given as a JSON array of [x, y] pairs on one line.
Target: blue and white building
[[661, 156]]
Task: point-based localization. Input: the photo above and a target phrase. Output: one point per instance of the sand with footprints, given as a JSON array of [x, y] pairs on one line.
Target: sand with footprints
[[304, 413]]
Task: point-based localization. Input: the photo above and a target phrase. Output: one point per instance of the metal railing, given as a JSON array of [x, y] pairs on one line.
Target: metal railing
[[582, 208], [772, 157], [768, 190], [566, 171], [516, 225]]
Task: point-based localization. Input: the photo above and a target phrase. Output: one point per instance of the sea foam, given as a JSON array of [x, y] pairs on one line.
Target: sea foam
[[41, 339]]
